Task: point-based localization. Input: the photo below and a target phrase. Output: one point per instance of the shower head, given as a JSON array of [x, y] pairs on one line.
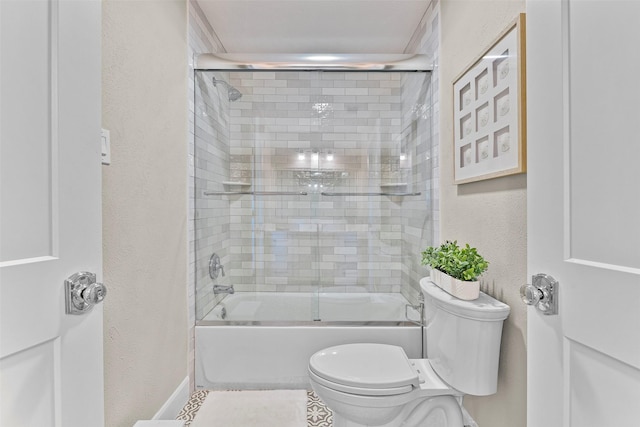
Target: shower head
[[233, 93]]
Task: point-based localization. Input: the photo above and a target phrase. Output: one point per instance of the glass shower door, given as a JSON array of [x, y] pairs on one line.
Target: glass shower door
[[319, 183], [271, 133]]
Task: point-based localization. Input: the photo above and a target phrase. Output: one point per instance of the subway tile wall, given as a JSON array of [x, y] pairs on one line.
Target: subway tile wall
[[323, 132], [212, 166], [417, 214]]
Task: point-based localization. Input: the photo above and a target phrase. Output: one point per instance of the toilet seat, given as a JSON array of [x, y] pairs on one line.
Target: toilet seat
[[366, 369], [392, 391]]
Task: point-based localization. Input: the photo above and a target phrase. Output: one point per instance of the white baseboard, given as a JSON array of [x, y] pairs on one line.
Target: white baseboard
[[175, 403]]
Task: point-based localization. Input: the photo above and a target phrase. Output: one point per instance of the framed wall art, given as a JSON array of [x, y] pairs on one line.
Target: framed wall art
[[490, 110]]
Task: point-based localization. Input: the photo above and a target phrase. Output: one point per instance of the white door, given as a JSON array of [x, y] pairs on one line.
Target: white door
[[583, 73], [50, 219]]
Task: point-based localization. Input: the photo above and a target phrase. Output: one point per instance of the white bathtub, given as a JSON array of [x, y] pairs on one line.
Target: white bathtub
[[266, 339]]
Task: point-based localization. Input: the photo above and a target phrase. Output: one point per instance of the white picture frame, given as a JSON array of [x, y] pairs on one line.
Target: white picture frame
[[490, 110]]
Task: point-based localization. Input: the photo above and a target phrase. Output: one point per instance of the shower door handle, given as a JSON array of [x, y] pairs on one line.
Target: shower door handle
[[82, 292]]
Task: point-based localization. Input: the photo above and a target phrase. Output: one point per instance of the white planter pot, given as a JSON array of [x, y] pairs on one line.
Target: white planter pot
[[457, 288]]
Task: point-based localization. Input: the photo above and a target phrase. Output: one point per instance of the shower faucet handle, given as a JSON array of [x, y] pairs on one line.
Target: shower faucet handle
[[214, 266]]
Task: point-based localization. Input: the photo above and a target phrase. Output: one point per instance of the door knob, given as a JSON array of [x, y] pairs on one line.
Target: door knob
[[542, 293], [94, 293], [82, 292]]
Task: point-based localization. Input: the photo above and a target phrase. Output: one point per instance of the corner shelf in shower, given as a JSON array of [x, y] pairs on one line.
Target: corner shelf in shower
[[393, 184], [236, 183]]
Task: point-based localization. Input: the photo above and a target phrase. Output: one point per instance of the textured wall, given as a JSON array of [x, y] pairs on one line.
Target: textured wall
[[491, 214], [144, 198]]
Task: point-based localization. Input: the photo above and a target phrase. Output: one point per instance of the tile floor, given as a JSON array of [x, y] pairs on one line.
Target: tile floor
[[318, 415]]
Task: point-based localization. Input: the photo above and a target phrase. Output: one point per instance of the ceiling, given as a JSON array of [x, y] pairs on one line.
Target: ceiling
[[314, 26]]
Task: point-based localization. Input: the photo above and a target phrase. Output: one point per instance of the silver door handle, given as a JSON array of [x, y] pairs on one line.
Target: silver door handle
[[542, 293], [82, 292]]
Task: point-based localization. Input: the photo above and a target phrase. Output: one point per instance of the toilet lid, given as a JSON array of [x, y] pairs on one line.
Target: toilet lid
[[368, 366]]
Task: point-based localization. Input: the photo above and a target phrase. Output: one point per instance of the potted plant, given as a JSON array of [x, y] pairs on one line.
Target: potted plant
[[455, 269]]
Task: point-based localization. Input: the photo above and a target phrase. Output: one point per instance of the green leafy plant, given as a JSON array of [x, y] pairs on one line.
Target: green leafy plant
[[462, 263]]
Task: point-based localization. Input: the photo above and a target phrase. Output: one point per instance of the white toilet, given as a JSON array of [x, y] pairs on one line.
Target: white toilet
[[378, 385]]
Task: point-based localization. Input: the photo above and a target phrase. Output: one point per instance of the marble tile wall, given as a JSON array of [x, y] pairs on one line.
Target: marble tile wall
[[330, 132]]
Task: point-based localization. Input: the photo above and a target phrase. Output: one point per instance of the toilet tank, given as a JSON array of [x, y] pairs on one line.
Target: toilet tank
[[463, 338]]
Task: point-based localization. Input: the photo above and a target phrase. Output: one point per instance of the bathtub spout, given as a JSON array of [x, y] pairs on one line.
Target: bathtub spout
[[220, 289]]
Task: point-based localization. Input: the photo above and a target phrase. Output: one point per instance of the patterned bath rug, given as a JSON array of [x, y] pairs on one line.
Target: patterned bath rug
[[318, 415], [190, 409], [253, 408]]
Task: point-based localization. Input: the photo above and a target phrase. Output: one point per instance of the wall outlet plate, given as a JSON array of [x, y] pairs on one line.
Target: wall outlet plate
[[106, 147]]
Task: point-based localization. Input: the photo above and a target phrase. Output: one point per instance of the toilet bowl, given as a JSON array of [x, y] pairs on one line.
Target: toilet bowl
[[377, 385], [369, 384]]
